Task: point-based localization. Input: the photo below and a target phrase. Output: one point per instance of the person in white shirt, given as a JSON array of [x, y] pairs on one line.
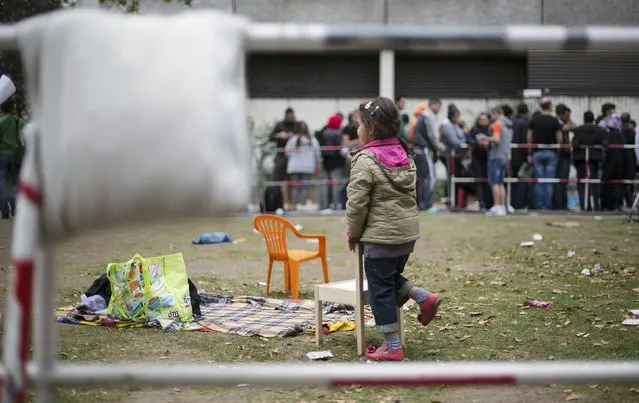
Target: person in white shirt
[[303, 151]]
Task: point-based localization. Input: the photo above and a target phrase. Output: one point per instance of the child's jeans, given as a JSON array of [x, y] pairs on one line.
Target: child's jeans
[[387, 289]]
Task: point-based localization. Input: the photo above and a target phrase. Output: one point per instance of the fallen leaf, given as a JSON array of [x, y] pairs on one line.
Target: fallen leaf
[[580, 334], [604, 343], [633, 390], [574, 396], [635, 289], [517, 340], [433, 351], [593, 386]]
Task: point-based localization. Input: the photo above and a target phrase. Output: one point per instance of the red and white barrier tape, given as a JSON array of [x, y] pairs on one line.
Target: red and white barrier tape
[[551, 180], [513, 146], [323, 182]]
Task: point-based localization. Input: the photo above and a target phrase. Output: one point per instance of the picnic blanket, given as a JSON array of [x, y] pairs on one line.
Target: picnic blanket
[[243, 315], [251, 316]]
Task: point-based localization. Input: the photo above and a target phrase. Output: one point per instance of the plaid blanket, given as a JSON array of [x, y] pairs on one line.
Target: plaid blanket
[[244, 315], [250, 316]]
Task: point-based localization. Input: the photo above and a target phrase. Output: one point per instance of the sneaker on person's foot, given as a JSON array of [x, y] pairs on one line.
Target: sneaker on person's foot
[[383, 353], [494, 211], [428, 308], [433, 210], [510, 209]]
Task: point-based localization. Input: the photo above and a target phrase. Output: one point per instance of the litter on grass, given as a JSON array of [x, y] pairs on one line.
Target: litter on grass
[[538, 304], [319, 355]]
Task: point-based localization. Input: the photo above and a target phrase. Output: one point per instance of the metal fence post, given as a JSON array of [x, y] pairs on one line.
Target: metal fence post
[[451, 169], [587, 187]]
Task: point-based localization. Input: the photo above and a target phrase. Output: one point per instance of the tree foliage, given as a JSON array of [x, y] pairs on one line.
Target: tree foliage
[[14, 11]]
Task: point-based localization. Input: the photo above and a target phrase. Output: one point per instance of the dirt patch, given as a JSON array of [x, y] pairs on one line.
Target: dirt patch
[[518, 394]]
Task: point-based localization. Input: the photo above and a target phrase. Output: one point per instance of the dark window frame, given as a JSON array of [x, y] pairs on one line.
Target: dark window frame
[[313, 75], [460, 76]]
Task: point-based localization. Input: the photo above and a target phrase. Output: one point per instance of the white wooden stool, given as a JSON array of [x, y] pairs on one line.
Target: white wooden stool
[[350, 292]]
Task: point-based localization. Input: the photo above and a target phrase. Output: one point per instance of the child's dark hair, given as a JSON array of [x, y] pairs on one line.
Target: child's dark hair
[[302, 130], [381, 117]]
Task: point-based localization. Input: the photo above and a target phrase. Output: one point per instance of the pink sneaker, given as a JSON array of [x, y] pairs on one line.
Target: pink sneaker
[[384, 354], [428, 308]]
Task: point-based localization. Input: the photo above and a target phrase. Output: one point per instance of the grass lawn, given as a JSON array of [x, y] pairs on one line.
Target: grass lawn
[[475, 262]]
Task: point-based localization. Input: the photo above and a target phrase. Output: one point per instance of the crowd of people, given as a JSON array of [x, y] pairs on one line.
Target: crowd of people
[[501, 143], [301, 157], [548, 144]]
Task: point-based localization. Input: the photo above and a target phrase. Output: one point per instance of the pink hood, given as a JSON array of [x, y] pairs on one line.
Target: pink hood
[[389, 152]]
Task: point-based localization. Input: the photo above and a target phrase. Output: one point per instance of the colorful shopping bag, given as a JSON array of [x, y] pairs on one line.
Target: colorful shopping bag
[[150, 288], [168, 288], [128, 290]]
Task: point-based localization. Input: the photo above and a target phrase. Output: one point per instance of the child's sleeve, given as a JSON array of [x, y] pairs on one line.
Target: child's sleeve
[[358, 194]]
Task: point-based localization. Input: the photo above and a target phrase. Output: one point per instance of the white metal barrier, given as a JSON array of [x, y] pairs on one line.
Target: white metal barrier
[[47, 372], [509, 179]]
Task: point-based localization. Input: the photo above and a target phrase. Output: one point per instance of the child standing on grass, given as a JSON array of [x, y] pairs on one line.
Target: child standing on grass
[[382, 214]]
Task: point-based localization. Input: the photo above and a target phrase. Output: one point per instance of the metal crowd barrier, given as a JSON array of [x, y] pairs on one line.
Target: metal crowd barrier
[[47, 372], [509, 180], [455, 180]]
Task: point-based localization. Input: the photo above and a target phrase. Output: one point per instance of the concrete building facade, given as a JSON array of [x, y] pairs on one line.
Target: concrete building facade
[[318, 86]]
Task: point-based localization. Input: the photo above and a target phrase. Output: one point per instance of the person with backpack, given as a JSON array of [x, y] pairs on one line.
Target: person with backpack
[[11, 154], [333, 163]]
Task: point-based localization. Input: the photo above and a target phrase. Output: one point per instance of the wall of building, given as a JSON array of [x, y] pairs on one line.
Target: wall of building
[[433, 12], [437, 12]]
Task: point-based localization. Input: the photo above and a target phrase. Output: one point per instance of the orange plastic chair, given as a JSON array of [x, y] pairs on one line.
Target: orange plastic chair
[[274, 228]]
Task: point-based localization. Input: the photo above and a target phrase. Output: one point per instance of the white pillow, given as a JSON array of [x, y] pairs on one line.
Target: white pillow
[[136, 117]]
